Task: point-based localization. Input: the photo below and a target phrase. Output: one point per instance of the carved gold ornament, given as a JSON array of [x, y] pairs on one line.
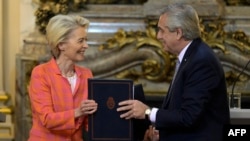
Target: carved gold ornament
[[50, 8], [5, 109], [213, 34]]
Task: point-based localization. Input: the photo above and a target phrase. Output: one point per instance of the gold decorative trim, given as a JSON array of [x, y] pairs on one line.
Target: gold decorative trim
[[6, 110], [213, 33], [4, 97], [50, 8]]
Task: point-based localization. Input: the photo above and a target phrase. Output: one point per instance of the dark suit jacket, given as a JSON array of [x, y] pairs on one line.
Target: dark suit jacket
[[196, 106]]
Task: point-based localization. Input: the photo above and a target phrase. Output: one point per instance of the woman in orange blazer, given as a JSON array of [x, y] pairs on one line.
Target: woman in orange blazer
[[58, 89]]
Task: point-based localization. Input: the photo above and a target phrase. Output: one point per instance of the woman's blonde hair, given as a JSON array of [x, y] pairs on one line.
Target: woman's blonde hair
[[59, 28]]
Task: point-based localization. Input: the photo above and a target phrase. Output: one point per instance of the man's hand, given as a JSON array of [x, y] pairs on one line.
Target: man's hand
[[133, 109], [151, 134]]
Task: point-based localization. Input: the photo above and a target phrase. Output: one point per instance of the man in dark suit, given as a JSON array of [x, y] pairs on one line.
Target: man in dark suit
[[196, 106]]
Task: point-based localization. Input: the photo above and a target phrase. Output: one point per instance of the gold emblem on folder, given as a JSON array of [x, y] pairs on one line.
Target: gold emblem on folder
[[110, 103]]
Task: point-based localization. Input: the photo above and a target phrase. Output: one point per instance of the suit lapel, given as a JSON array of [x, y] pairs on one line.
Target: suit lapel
[[184, 61]]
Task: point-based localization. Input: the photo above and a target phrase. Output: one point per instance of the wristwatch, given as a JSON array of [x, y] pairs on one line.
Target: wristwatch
[[147, 113]]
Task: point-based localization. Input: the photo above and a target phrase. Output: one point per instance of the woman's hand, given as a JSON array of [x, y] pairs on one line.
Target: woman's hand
[[87, 107]]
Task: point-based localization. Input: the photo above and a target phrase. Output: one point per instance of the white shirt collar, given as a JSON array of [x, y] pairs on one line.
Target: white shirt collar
[[183, 51]]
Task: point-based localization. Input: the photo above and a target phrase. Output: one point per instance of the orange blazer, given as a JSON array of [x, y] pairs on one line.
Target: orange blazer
[[53, 103]]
